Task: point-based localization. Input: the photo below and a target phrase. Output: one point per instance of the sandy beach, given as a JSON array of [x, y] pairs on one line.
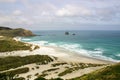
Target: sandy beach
[[61, 53], [64, 56]]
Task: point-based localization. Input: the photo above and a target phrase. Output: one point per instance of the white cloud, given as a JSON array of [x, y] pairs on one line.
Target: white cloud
[[5, 1], [72, 10], [17, 12], [4, 19], [46, 13], [11, 19]]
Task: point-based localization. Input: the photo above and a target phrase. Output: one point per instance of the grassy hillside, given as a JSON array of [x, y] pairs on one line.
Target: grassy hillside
[[8, 44], [13, 74], [16, 71], [16, 61], [5, 31], [107, 73]]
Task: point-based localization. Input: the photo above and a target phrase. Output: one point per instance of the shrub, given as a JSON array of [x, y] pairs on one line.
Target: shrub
[[40, 78]]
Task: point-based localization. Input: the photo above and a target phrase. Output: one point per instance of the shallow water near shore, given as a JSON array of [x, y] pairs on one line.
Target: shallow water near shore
[[97, 44]]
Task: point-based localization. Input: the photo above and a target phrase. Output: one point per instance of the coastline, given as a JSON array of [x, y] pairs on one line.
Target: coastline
[[71, 60], [82, 57], [61, 53], [36, 58]]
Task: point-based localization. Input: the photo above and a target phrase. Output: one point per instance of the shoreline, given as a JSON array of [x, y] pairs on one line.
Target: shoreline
[[59, 52], [71, 60], [78, 56], [68, 52]]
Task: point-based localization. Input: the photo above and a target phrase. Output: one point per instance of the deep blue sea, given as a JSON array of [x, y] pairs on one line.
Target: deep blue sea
[[98, 44]]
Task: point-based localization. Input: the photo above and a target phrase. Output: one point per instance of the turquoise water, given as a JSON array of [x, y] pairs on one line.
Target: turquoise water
[[98, 44]]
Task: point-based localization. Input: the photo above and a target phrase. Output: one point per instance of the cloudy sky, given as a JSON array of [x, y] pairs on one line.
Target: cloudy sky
[[61, 14]]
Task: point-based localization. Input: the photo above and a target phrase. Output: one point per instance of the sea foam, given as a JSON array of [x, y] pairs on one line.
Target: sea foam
[[97, 53]]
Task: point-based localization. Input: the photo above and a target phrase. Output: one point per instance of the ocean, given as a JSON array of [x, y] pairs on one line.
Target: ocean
[[103, 45]]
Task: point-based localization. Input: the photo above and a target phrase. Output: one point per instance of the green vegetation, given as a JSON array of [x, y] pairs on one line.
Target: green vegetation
[[49, 70], [107, 73], [13, 74], [16, 71], [8, 44], [41, 78], [5, 31], [36, 47], [76, 67], [16, 61], [43, 75], [57, 79], [10, 77], [37, 74], [20, 78], [58, 64], [65, 72], [5, 28], [86, 65]]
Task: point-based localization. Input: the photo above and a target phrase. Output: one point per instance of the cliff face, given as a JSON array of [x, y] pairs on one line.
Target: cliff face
[[5, 31]]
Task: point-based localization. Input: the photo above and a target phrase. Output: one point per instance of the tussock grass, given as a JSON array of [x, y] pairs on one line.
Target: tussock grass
[[17, 61], [58, 64], [7, 44], [108, 73], [78, 66]]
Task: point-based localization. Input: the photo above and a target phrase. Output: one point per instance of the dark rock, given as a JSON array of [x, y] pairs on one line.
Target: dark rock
[[66, 33], [73, 34]]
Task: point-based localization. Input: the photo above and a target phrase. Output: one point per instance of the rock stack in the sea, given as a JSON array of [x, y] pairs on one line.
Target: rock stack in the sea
[[73, 34], [67, 33]]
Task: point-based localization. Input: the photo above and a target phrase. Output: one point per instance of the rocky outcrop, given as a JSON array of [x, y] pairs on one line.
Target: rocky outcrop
[[73, 34], [66, 33], [5, 31]]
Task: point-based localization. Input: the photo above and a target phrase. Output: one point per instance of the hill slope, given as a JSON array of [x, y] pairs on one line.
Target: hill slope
[[107, 73], [6, 31], [5, 28], [9, 44]]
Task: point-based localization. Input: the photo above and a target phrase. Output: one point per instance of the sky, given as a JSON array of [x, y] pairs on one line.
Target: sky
[[61, 14]]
